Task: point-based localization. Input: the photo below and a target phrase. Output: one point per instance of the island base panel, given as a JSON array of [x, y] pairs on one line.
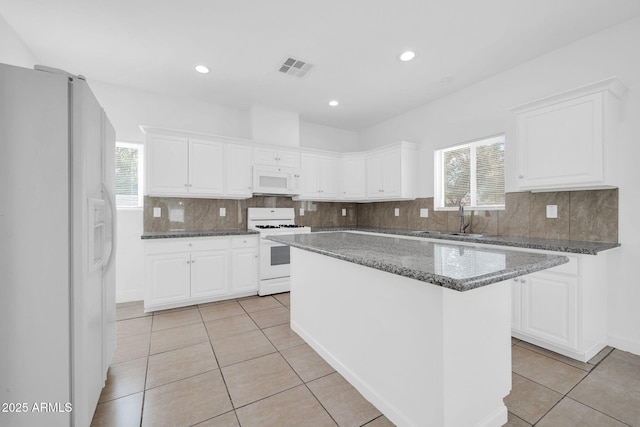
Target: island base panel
[[422, 354]]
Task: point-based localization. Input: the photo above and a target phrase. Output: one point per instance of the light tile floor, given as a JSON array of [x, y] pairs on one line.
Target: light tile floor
[[237, 363]]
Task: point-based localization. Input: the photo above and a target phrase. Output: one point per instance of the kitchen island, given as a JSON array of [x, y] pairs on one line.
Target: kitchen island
[[420, 328]]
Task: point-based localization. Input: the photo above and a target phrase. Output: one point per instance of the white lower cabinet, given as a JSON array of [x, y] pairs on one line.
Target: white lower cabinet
[[171, 278], [209, 274], [244, 265], [186, 271], [563, 309], [549, 308]]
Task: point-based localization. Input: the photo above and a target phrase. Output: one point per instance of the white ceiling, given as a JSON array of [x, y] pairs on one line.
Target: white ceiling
[[154, 45]]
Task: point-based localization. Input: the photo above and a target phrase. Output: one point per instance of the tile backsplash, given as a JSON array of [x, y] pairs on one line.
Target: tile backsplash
[[587, 215], [204, 214]]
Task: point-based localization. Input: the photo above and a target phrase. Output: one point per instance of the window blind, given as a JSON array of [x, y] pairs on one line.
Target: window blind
[[128, 175], [471, 174]]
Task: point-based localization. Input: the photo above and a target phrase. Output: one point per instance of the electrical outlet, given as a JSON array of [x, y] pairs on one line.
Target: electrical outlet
[[223, 211], [301, 211], [344, 212], [552, 211], [396, 212], [157, 212], [424, 213]]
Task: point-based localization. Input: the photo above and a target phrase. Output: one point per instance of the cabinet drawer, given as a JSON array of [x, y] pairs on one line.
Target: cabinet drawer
[[187, 245], [244, 242], [569, 268]]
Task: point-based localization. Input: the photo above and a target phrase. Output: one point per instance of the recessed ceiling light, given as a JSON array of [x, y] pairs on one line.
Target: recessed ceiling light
[[203, 69], [334, 103], [407, 56]]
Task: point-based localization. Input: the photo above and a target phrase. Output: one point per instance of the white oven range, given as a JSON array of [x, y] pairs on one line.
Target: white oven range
[[274, 257]]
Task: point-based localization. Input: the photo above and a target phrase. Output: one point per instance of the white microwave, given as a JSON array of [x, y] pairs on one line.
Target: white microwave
[[276, 180]]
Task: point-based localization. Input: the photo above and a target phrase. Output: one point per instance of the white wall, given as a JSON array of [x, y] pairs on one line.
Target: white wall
[[13, 51], [327, 138], [482, 109], [273, 126], [129, 108]]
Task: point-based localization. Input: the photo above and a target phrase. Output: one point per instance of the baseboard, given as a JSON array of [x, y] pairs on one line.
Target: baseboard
[[624, 344], [390, 411], [130, 295], [498, 418]]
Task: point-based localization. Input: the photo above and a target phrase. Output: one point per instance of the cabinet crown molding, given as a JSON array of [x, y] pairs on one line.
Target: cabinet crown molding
[[612, 85]]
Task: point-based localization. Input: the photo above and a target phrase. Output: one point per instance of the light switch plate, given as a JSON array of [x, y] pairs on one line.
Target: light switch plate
[[424, 213], [344, 212], [223, 211], [396, 211], [157, 212], [552, 211], [301, 211]]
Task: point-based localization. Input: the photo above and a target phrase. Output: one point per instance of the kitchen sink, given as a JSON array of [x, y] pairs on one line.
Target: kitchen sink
[[447, 233]]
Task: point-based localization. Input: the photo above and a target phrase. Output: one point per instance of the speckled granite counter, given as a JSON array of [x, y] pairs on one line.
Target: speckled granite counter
[[449, 265], [194, 233], [557, 245]]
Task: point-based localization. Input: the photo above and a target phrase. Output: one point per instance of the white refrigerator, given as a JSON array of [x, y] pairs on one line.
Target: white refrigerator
[[57, 248]]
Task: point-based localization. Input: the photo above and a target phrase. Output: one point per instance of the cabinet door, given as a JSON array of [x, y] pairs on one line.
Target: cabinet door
[[209, 274], [244, 270], [265, 156], [238, 171], [561, 144], [206, 167], [375, 184], [549, 308], [391, 173], [288, 159], [167, 165], [309, 176], [328, 177], [353, 173], [168, 278]]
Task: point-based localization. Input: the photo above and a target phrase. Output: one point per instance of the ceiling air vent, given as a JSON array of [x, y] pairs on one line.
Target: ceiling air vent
[[295, 67]]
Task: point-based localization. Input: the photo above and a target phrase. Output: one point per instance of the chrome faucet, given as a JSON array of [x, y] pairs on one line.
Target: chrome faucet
[[463, 226]]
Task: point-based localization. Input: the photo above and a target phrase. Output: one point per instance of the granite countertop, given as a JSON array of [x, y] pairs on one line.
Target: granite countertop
[[194, 233], [557, 245], [457, 267]]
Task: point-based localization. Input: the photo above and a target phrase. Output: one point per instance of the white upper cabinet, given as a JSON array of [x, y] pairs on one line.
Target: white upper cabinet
[[206, 167], [319, 177], [391, 173], [567, 141], [167, 165], [276, 157], [183, 166], [238, 171], [353, 177]]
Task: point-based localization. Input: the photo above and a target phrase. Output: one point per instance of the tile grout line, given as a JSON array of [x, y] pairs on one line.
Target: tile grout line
[[215, 357], [566, 395]]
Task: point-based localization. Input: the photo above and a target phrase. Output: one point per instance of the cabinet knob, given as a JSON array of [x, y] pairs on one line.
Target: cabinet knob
[[523, 281], [186, 185], [190, 244], [188, 262], [520, 176]]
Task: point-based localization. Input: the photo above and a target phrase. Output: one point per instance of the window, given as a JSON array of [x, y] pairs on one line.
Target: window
[[471, 174], [129, 175]]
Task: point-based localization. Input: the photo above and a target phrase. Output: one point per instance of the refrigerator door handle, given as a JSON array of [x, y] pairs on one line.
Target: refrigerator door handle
[[111, 200]]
